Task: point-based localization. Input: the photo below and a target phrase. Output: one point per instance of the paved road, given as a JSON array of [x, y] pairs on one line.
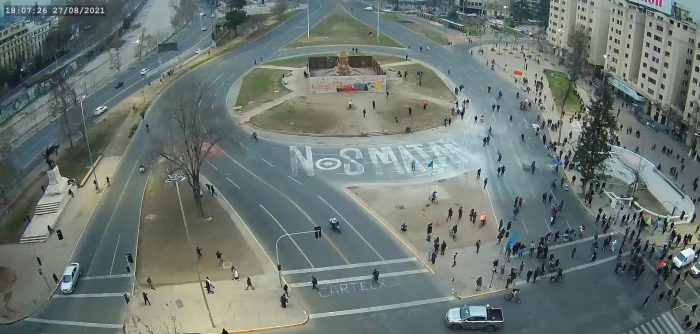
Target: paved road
[[271, 187], [26, 156]]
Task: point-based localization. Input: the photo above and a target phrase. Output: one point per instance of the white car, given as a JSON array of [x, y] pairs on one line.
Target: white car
[[368, 8], [684, 258], [198, 51], [695, 270], [144, 71], [100, 110], [204, 28], [70, 278]]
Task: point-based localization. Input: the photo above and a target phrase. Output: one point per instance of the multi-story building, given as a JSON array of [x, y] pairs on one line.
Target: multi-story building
[[562, 21], [592, 18], [20, 41]]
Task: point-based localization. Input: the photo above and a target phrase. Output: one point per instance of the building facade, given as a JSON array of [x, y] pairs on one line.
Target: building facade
[[20, 41], [562, 21]]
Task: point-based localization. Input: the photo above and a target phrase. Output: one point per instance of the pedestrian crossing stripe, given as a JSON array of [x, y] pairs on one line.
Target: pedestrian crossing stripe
[[665, 323]]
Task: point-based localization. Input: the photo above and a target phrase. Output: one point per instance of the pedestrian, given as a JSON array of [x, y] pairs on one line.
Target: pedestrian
[[219, 259], [675, 293], [449, 214], [693, 308], [593, 257], [145, 299], [478, 173], [249, 283], [459, 213], [478, 283], [678, 278], [534, 275], [573, 252], [150, 282], [70, 193], [646, 300], [234, 273], [478, 245], [527, 277], [661, 296], [314, 283], [454, 260], [443, 247], [283, 300], [209, 286], [433, 257], [108, 184], [486, 180], [656, 286], [199, 252]]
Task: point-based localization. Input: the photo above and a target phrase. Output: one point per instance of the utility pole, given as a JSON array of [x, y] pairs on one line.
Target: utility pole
[[308, 20]]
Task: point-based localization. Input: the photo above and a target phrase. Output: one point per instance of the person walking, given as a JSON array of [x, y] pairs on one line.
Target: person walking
[[209, 286], [219, 259], [443, 247], [449, 214], [454, 260], [234, 273], [150, 283], [249, 283], [199, 251], [145, 299], [535, 274], [573, 252], [283, 300], [314, 283], [108, 183], [528, 276], [486, 181], [478, 245], [644, 303], [478, 283], [693, 308]]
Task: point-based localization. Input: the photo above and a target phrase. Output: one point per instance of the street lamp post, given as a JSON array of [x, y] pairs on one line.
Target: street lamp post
[[87, 142], [277, 251], [377, 20], [308, 20]]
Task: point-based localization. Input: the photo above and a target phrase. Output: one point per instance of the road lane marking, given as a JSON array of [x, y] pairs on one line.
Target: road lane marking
[[579, 267], [361, 278], [290, 237], [672, 323], [352, 227], [233, 183], [578, 241], [382, 307], [546, 223], [212, 165], [293, 203], [524, 225], [92, 295], [348, 266], [245, 147], [267, 162], [114, 256], [87, 278], [295, 180], [75, 323], [111, 217]]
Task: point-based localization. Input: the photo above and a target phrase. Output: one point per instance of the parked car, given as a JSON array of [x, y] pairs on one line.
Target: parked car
[[119, 85], [198, 51], [474, 317], [100, 110], [369, 8], [70, 278], [144, 71], [695, 270], [684, 258], [204, 28]]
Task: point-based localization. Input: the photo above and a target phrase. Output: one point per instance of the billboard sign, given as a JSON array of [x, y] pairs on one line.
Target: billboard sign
[[664, 6]]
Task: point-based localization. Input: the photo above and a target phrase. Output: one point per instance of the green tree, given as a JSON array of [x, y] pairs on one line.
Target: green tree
[[577, 59], [592, 149], [236, 4], [521, 10], [234, 18]]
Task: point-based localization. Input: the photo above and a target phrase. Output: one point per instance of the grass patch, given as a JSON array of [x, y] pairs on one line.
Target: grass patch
[[422, 28], [303, 60], [341, 28], [558, 82], [431, 84], [261, 85], [509, 31], [75, 162], [292, 116], [13, 222]]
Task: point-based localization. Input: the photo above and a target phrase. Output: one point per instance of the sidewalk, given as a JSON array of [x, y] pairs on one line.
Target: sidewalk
[[28, 291], [153, 19]]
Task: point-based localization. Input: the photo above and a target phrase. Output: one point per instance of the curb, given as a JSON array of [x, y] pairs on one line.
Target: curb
[[481, 294], [90, 171], [301, 323]]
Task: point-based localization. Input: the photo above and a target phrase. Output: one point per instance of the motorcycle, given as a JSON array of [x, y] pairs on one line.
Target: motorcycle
[[142, 169], [335, 225]]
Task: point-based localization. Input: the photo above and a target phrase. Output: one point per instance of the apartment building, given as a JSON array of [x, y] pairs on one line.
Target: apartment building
[[562, 21], [592, 17], [20, 41], [691, 114]]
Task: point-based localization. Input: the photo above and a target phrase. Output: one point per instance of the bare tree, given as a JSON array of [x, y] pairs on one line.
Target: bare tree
[[114, 54], [184, 9], [8, 175], [280, 7], [140, 47], [192, 132], [63, 100]]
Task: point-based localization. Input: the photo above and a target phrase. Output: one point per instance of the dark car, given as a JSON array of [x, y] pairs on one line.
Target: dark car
[[119, 84]]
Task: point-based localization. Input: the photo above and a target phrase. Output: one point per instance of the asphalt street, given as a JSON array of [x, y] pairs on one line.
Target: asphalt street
[[282, 186], [27, 155]]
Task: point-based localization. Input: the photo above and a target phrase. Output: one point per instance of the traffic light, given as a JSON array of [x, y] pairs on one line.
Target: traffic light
[[317, 232], [129, 258]]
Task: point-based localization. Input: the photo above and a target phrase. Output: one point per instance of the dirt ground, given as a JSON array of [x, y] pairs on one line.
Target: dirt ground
[[409, 204], [164, 252], [327, 114], [341, 28]]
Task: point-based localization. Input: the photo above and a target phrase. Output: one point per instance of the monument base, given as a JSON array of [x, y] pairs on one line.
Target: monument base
[[48, 209]]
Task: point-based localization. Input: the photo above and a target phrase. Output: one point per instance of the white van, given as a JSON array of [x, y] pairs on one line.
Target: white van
[[684, 258]]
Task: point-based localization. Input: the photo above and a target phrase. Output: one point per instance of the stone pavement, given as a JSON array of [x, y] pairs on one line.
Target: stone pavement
[[182, 308], [30, 290], [153, 20]]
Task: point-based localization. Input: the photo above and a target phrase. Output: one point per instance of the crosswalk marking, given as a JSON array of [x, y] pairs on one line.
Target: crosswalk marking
[[348, 266], [360, 278], [665, 323]]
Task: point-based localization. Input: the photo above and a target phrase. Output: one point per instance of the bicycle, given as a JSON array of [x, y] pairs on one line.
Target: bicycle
[[510, 296]]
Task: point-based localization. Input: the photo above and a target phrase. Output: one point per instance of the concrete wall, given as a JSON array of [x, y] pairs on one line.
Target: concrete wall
[[348, 84], [663, 189]]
